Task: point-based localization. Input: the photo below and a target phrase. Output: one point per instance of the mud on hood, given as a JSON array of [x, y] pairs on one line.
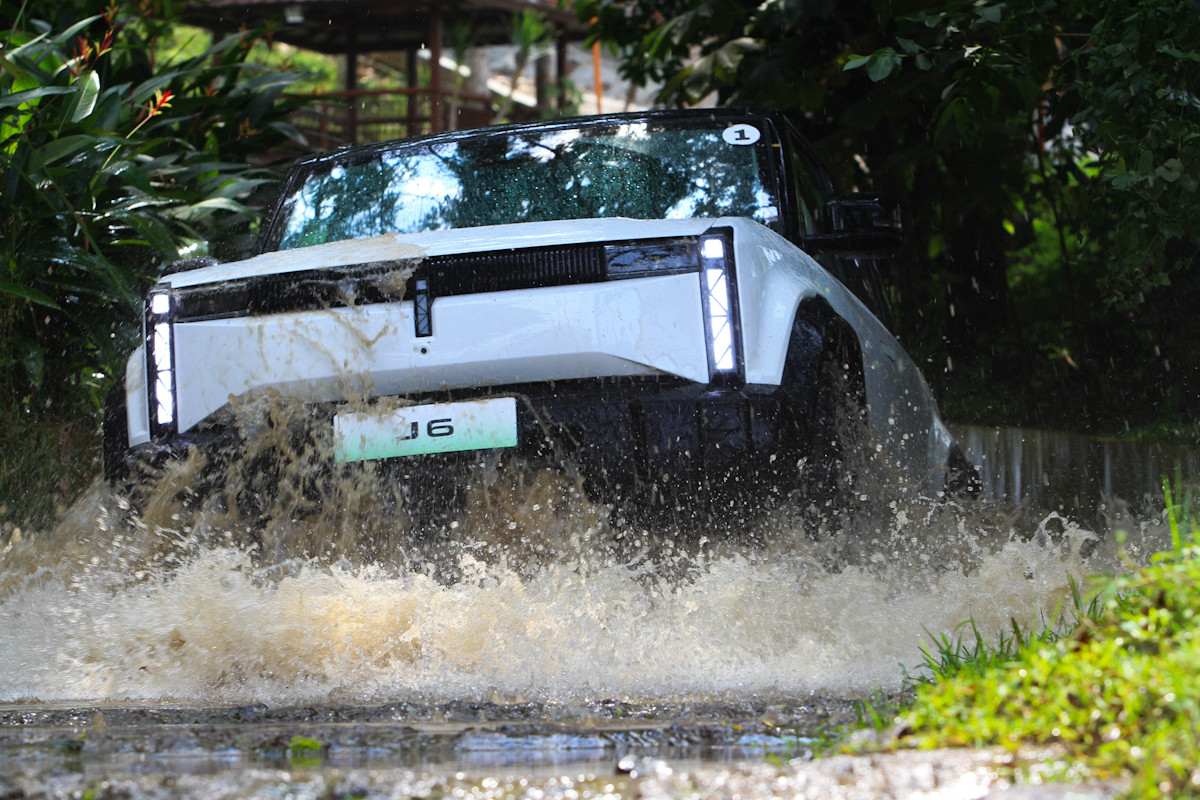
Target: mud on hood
[[395, 247]]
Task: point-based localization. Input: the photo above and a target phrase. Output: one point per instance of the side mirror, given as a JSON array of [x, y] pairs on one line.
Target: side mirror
[[860, 224]]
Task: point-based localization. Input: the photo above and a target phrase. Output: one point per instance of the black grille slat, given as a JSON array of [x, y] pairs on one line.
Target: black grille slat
[[446, 276]]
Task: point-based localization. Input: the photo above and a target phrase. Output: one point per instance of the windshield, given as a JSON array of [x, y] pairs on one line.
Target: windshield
[[638, 170]]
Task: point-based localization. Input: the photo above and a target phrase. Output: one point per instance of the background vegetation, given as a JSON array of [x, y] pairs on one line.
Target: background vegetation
[[112, 163], [1038, 149]]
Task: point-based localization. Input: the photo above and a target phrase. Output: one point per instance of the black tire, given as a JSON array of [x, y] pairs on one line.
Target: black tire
[[839, 454]]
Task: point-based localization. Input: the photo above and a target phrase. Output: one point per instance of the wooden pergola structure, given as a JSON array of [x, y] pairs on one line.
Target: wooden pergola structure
[[404, 33]]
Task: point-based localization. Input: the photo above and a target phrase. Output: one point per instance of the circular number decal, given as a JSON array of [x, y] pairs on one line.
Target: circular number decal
[[741, 134]]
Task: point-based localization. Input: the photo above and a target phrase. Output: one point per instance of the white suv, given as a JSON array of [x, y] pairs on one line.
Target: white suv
[[674, 302]]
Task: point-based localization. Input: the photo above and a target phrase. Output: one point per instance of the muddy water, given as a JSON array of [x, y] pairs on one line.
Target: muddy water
[[189, 630], [108, 611]]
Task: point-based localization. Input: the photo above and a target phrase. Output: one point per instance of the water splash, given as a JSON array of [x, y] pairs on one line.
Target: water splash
[[216, 625], [322, 589]]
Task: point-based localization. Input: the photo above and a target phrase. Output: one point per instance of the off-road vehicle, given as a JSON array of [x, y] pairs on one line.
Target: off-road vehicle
[[678, 304]]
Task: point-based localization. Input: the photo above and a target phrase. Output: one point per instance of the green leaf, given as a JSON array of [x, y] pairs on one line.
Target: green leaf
[[34, 362], [153, 231], [132, 175], [289, 131], [67, 36], [883, 63], [236, 187], [85, 100], [1171, 170], [856, 62], [729, 57], [28, 293], [21, 98], [65, 147], [1125, 180], [1176, 53], [1145, 161], [990, 13], [218, 204]]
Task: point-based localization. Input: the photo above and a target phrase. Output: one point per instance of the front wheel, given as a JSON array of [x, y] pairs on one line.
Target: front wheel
[[839, 446]]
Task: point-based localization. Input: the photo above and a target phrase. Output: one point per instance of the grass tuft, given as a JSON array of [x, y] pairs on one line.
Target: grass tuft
[[1119, 692]]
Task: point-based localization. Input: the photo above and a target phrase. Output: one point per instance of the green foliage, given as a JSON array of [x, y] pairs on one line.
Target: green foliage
[[44, 464], [532, 36], [1139, 118], [110, 167], [1125, 76], [315, 72], [1119, 692]]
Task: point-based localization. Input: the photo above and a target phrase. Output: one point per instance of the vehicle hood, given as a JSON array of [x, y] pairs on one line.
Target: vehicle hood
[[393, 247]]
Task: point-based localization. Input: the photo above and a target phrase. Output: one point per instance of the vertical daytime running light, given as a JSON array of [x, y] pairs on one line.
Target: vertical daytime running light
[[718, 296], [160, 360]]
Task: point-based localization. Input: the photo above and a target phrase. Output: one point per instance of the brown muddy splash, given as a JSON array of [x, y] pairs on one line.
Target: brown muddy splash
[[280, 576]]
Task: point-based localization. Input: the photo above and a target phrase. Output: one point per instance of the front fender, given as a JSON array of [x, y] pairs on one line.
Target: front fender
[[776, 281]]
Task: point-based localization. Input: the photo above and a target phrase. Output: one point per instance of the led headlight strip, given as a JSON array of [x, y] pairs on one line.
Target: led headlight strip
[[160, 361], [720, 303]]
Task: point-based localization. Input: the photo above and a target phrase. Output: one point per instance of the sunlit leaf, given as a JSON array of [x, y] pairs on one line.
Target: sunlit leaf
[[218, 204], [85, 100]]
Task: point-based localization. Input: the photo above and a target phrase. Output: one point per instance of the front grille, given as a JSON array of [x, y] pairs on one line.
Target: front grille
[[391, 281], [513, 269]]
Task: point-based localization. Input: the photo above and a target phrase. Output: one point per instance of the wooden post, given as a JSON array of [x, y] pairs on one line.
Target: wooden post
[[598, 78], [541, 72], [436, 30], [560, 55], [412, 100], [351, 86]]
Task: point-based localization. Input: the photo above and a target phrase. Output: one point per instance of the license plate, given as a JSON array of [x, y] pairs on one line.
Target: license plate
[[432, 428]]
